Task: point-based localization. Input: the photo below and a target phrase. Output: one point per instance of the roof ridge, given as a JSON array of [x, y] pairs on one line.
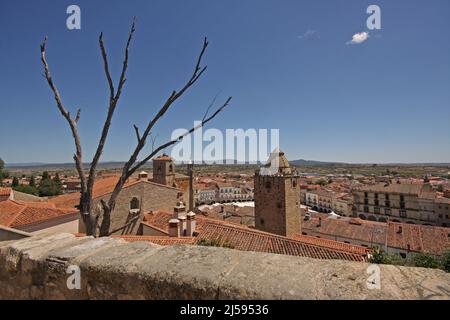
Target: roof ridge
[[276, 236], [24, 207]]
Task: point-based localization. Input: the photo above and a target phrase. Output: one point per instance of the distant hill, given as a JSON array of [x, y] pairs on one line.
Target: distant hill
[[311, 163], [299, 163]]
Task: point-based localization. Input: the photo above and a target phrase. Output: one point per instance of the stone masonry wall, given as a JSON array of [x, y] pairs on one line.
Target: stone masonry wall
[[35, 268], [151, 196]]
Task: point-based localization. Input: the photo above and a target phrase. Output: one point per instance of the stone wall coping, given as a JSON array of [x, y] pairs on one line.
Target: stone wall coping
[[111, 268]]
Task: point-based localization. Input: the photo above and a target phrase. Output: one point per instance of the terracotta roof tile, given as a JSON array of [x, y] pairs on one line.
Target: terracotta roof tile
[[5, 191], [244, 238], [247, 239], [15, 214], [418, 238]]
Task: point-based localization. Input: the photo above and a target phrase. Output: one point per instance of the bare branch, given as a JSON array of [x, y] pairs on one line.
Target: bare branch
[[125, 61], [198, 71], [138, 136], [209, 107], [153, 140], [180, 138], [112, 106], [78, 116], [172, 98], [106, 66], [72, 123]]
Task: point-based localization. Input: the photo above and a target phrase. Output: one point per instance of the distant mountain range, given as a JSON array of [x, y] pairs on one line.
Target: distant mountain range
[[299, 162]]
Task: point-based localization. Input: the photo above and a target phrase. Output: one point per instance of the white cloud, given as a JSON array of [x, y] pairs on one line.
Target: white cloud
[[359, 38], [308, 34]]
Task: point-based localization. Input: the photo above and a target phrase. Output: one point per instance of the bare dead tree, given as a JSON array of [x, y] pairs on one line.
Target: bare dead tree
[[90, 218]]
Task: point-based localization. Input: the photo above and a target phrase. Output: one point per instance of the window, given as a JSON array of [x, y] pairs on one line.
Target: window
[[366, 201], [268, 185], [377, 202], [366, 209], [387, 212], [376, 210], [387, 203], [262, 221], [402, 213], [366, 195], [134, 203], [387, 196]]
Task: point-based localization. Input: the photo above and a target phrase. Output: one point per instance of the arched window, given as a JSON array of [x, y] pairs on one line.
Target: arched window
[[134, 203], [170, 168]]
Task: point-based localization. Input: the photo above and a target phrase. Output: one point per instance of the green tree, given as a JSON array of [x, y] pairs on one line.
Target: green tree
[[49, 187], [45, 175], [379, 256], [57, 179], [15, 182], [214, 243], [445, 260], [3, 174], [424, 260], [32, 182], [27, 189]]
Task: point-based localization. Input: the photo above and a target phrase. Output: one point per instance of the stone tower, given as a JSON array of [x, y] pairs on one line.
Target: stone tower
[[277, 197], [164, 170]]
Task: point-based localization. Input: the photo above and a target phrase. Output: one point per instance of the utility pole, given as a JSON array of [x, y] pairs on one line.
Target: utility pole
[[190, 168]]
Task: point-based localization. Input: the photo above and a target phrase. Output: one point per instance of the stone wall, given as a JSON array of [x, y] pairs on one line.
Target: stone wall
[[151, 197], [12, 234], [111, 268]]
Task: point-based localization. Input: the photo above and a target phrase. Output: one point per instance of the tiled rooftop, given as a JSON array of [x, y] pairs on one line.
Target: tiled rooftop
[[248, 239], [16, 214]]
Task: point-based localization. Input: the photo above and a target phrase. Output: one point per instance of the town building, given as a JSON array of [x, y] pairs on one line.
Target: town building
[[36, 217], [168, 228], [398, 202], [402, 238], [277, 197], [139, 194]]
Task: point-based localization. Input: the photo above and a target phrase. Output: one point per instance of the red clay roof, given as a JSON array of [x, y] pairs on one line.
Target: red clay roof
[[247, 239], [5, 191], [356, 229], [331, 244], [15, 214], [102, 187], [418, 238], [412, 237], [163, 157]]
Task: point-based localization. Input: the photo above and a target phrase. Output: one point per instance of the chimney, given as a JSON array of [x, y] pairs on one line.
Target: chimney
[[174, 229], [400, 229], [179, 210], [182, 225], [190, 228], [143, 175]]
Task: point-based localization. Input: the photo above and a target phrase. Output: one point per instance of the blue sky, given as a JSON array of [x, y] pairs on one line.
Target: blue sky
[[384, 100]]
